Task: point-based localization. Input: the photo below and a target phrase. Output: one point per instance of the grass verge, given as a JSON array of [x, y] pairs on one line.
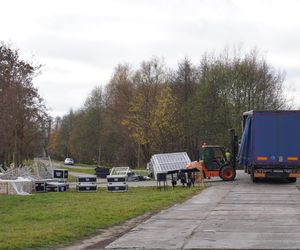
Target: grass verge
[[81, 170], [72, 178], [45, 220]]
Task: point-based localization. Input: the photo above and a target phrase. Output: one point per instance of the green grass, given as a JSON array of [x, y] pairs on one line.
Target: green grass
[[81, 170], [72, 178], [85, 164], [142, 172], [45, 220]]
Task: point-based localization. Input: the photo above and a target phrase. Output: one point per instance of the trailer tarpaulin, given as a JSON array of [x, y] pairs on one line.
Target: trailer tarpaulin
[[245, 155]]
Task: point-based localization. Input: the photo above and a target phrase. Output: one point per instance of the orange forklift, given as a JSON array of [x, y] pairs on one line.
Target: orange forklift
[[216, 162]]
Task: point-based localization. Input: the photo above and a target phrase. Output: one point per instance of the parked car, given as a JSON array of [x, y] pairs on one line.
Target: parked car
[[102, 172], [69, 161], [132, 176]]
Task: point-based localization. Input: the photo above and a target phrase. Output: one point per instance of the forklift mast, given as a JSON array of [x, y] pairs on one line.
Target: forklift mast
[[234, 146]]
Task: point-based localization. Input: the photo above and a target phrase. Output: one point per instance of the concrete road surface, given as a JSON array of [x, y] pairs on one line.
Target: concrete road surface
[[236, 215]]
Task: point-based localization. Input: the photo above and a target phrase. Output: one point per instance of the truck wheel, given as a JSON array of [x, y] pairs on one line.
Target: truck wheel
[[291, 179], [227, 173]]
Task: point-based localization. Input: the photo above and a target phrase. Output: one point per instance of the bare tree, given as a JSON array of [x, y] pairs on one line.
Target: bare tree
[[23, 113]]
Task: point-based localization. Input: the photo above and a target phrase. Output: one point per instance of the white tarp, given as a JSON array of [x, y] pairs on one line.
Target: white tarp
[[20, 186], [162, 163]]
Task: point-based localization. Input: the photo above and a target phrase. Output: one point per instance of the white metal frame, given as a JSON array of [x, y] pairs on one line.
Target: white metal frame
[[120, 171], [162, 163]]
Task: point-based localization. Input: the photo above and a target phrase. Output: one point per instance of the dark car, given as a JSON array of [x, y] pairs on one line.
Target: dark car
[[132, 176]]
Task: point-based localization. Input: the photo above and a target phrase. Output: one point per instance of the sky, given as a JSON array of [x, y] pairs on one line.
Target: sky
[[79, 43]]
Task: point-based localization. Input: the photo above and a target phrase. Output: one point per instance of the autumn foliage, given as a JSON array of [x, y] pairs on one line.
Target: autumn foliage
[[156, 109]]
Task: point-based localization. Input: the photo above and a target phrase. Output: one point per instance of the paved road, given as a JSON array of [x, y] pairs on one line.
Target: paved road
[[237, 215]]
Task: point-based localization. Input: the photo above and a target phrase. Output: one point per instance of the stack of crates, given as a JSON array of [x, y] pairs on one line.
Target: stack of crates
[[86, 183], [117, 180], [50, 185], [59, 182]]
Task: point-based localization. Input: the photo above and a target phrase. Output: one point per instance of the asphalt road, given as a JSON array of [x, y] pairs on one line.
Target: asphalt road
[[226, 215]]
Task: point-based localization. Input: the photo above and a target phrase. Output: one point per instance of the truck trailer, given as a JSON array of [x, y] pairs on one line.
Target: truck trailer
[[270, 144]]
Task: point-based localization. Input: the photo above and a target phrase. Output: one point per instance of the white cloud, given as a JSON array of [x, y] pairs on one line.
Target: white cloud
[[80, 42]]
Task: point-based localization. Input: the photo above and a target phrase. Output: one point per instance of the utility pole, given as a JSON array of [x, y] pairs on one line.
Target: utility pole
[[99, 154], [138, 156]]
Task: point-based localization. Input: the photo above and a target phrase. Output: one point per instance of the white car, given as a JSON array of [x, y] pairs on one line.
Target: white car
[[69, 161]]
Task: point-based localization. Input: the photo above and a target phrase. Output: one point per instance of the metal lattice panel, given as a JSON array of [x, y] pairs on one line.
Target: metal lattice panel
[[163, 163], [120, 171]]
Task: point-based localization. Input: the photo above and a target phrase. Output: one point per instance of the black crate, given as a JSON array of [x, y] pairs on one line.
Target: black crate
[[116, 183], [58, 180], [123, 188], [56, 187], [116, 179], [52, 189], [86, 188], [60, 174], [161, 177], [40, 186], [102, 172], [86, 179]]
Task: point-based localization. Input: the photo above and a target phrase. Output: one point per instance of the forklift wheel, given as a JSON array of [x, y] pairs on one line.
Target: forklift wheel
[[227, 173]]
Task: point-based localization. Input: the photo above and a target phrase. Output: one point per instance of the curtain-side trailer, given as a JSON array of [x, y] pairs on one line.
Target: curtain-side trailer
[[270, 144]]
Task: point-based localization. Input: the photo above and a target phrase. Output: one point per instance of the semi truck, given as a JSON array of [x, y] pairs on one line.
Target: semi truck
[[270, 144]]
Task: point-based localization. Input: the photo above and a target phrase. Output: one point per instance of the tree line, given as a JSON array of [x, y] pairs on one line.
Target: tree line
[[24, 122], [156, 109]]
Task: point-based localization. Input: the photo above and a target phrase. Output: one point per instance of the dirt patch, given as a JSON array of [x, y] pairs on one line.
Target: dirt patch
[[108, 235]]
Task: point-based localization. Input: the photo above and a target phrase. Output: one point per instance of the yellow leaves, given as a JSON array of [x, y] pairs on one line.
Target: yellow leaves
[[147, 122], [165, 113], [136, 105], [54, 141], [135, 120], [125, 122]]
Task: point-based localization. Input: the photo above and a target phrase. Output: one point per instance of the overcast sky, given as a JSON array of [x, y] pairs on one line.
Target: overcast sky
[[80, 42]]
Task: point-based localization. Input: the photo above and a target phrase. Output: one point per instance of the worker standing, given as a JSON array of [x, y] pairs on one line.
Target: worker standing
[[227, 155]]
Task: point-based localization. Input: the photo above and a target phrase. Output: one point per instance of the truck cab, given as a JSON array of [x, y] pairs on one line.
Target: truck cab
[[213, 156]]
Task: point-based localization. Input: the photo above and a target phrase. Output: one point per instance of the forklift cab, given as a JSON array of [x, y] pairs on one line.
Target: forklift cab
[[215, 162], [213, 157]]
